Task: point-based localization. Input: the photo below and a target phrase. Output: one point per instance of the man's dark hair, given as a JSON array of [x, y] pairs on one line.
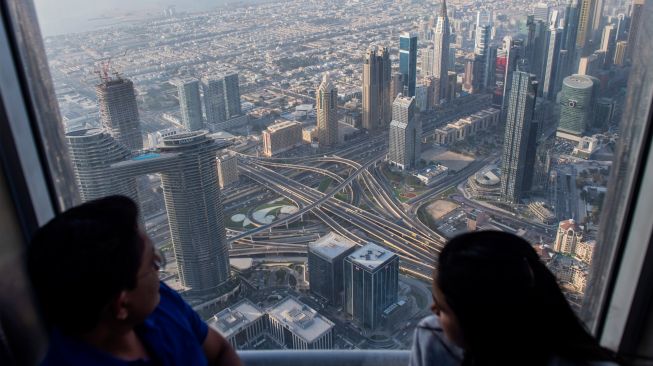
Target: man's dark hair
[[82, 259], [508, 304]]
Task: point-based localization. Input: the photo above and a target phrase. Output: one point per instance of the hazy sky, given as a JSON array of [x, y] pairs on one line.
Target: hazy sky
[[65, 16]]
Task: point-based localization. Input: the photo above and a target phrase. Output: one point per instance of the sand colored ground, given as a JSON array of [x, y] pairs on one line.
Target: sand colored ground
[[440, 208], [447, 158]]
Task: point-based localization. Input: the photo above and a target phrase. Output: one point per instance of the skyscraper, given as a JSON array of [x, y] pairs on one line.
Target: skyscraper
[[190, 104], [609, 44], [519, 125], [91, 152], [221, 97], [428, 56], [408, 61], [512, 49], [635, 25], [325, 266], [441, 39], [396, 85], [576, 105], [483, 65], [570, 35], [585, 20], [541, 11], [119, 111], [232, 95], [405, 134], [377, 95], [214, 100], [327, 113], [186, 163], [550, 88], [620, 53], [371, 283]]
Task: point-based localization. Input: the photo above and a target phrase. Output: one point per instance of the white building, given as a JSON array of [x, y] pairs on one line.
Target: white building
[[568, 236], [432, 174], [297, 326], [227, 165], [281, 136], [241, 324]]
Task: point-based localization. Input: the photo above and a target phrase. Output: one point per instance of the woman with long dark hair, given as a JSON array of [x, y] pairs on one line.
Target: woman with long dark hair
[[495, 303]]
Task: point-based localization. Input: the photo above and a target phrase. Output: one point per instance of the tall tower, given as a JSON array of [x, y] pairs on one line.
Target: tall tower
[[408, 61], [519, 123], [377, 102], [325, 266], [577, 100], [635, 25], [190, 104], [570, 35], [512, 50], [585, 19], [441, 40], [483, 65], [609, 43], [214, 99], [550, 89], [405, 134], [327, 113], [232, 96], [371, 279], [542, 11], [91, 152], [119, 111], [192, 197]]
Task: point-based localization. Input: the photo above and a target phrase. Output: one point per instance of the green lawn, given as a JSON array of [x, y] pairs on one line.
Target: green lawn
[[324, 184]]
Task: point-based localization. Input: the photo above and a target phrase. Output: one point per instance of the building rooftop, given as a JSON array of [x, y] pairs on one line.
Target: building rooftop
[[331, 245], [233, 319], [371, 256], [281, 124], [568, 224], [579, 81], [300, 319]]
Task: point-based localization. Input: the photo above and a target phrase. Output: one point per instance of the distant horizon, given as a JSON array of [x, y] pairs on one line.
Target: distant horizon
[[59, 17]]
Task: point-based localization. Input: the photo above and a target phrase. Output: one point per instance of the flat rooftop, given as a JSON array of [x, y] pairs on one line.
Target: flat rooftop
[[331, 246], [279, 125], [301, 319], [233, 319], [371, 256]]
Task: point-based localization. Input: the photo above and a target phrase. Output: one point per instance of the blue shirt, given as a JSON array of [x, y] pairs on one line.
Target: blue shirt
[[173, 335]]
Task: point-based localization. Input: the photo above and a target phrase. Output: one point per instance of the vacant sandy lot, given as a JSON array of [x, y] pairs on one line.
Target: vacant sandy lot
[[447, 158], [440, 208]]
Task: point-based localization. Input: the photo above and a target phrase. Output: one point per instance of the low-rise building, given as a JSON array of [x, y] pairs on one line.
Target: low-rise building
[[227, 169], [242, 324], [432, 174], [542, 212], [465, 127], [486, 184], [281, 136], [295, 325]]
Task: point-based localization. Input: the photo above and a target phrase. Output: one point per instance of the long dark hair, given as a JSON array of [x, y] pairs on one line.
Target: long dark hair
[[508, 304]]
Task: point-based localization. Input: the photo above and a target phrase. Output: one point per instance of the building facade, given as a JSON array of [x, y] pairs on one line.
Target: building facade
[[577, 100], [441, 45], [371, 283], [405, 134], [281, 136], [408, 62], [377, 93], [327, 113], [190, 104], [325, 266], [227, 165], [568, 236], [520, 135], [119, 111], [295, 325]]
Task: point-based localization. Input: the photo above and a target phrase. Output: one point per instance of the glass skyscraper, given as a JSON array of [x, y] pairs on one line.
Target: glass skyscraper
[[408, 62], [190, 104], [371, 283], [576, 104], [519, 137]]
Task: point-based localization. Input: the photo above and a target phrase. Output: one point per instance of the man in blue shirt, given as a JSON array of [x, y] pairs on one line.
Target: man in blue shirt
[[96, 277]]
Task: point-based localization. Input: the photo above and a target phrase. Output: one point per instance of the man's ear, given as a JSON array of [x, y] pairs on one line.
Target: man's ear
[[119, 306]]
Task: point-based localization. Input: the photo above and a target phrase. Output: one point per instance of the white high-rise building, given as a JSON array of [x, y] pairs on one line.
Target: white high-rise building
[[405, 133], [568, 236], [190, 103], [327, 113]]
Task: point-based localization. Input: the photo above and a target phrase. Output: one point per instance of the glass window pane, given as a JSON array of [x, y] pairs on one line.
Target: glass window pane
[[301, 164]]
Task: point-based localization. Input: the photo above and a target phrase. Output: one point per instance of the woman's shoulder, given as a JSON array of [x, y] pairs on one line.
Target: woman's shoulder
[[431, 347]]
